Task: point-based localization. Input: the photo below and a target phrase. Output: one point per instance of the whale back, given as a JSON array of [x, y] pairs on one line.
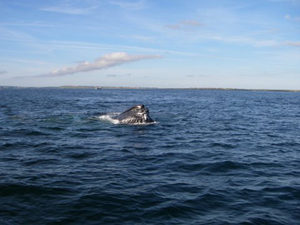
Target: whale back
[[137, 114]]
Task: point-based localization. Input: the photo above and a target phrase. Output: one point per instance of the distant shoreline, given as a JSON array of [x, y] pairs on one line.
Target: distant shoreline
[[147, 88]]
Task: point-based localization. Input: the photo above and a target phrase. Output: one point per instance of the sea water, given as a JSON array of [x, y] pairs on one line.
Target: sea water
[[212, 157]]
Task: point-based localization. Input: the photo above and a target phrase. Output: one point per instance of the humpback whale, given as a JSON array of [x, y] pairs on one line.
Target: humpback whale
[[137, 114]]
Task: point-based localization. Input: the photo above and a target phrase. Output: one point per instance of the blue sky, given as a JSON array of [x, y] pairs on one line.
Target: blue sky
[[151, 43]]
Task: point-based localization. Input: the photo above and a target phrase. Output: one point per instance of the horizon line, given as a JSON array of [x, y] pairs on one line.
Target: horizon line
[[141, 88]]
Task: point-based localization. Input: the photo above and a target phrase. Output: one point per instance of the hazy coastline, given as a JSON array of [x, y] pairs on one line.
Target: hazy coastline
[[149, 88]]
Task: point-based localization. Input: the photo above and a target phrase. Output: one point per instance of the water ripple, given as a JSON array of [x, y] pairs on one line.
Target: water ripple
[[214, 157]]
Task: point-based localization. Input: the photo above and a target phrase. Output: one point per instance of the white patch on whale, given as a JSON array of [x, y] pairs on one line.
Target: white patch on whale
[[136, 115], [109, 118]]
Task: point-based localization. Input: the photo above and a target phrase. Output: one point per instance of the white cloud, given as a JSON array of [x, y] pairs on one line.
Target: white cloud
[[130, 5], [289, 17], [117, 75], [246, 40], [106, 61], [293, 43], [28, 24], [68, 10], [173, 26], [184, 24], [191, 23]]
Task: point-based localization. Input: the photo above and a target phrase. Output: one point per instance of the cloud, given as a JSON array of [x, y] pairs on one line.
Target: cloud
[[195, 76], [115, 75], [105, 61], [68, 10], [29, 24], [246, 40], [173, 26], [111, 75], [289, 17], [130, 5], [3, 72], [191, 23], [184, 24], [293, 43]]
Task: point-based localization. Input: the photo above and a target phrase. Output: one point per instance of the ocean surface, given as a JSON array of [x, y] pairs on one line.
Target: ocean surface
[[212, 157]]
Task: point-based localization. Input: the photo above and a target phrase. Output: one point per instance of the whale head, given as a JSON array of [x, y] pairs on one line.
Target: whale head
[[137, 114]]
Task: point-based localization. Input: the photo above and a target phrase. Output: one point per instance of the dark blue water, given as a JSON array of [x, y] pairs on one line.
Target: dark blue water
[[214, 157]]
